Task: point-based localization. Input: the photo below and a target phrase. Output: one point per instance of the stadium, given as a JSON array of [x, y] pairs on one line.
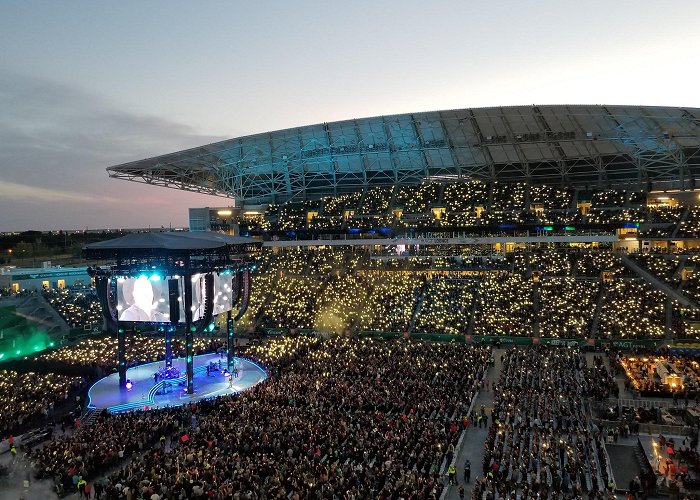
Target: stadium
[[502, 300]]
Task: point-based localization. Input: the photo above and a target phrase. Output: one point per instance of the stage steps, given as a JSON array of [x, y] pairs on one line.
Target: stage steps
[[90, 417]]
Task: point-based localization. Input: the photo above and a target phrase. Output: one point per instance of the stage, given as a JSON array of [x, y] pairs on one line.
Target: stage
[[145, 393]]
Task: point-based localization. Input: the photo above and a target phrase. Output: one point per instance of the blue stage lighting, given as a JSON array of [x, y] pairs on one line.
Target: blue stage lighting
[[155, 277]]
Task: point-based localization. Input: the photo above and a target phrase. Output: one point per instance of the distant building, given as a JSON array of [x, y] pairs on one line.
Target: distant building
[[19, 278]]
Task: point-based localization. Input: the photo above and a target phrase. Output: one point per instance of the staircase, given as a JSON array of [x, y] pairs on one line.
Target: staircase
[[536, 309], [419, 306], [472, 312], [657, 283], [684, 217], [677, 273], [90, 417], [596, 314]]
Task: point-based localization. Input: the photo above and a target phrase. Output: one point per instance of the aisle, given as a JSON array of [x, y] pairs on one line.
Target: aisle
[[473, 443]]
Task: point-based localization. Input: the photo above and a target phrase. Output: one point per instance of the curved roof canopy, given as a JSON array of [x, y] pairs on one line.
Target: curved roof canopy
[[569, 145], [177, 240]]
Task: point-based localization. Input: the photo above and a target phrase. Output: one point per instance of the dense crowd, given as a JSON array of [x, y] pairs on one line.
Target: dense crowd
[[342, 418], [632, 309], [101, 353], [472, 203], [77, 307], [31, 397], [541, 441], [544, 291]]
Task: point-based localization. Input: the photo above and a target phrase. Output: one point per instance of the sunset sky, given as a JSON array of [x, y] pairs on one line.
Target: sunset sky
[[86, 85]]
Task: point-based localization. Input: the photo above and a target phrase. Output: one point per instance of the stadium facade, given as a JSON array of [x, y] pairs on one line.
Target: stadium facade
[[585, 146]]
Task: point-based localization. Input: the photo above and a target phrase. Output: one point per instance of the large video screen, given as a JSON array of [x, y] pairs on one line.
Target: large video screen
[[222, 294], [143, 299]]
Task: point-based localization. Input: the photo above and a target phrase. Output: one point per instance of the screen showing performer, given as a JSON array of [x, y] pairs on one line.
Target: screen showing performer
[[222, 294], [143, 300]]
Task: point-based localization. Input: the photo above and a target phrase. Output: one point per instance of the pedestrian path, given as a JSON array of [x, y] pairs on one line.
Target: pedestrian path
[[473, 443]]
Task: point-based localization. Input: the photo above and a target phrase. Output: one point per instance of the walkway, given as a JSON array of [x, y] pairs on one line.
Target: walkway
[[473, 443]]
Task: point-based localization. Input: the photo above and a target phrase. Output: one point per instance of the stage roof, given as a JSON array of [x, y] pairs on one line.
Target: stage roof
[[566, 145], [171, 241]]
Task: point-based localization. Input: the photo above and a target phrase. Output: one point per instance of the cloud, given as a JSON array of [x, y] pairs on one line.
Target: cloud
[[56, 142], [13, 191]]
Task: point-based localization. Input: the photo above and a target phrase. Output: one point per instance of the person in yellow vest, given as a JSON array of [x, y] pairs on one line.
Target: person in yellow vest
[[451, 473], [13, 451], [81, 487]]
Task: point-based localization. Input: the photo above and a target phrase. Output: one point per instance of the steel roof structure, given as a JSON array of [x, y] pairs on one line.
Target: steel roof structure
[[565, 145]]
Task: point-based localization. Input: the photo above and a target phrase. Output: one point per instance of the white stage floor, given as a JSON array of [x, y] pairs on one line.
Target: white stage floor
[[145, 394]]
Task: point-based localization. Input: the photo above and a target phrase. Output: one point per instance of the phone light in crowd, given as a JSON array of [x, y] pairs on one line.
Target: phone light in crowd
[[129, 385]]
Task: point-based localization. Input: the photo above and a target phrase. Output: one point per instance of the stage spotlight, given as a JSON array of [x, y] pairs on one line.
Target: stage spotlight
[[155, 277], [129, 385]]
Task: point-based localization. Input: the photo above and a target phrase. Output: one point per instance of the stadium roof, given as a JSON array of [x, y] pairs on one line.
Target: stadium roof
[[566, 145]]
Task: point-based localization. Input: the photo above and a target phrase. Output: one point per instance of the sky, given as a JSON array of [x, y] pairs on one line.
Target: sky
[[85, 85]]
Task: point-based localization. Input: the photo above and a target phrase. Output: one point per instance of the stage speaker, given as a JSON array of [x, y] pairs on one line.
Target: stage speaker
[[245, 297], [173, 296], [106, 299], [235, 289]]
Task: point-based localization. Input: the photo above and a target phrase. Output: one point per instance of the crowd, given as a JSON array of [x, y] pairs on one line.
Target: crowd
[[77, 307], [541, 441], [642, 374], [548, 291], [632, 309], [391, 303], [416, 199], [665, 267], [690, 227], [447, 306], [505, 306], [101, 353], [568, 307], [30, 398], [340, 418], [476, 203]]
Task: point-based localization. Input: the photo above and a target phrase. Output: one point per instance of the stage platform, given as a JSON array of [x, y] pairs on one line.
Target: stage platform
[[146, 394]]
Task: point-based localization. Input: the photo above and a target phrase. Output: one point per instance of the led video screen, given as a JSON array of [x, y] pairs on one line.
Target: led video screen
[[143, 299], [222, 294]]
